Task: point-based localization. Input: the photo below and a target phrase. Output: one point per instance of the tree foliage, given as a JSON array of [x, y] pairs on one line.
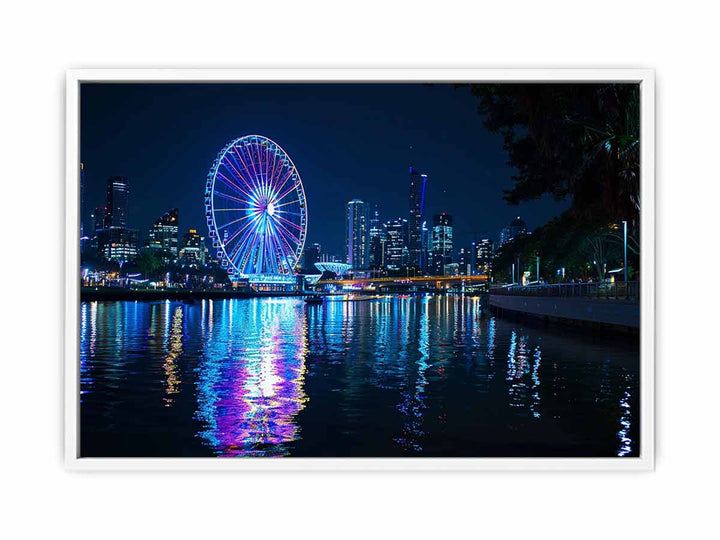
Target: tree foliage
[[576, 142], [149, 263]]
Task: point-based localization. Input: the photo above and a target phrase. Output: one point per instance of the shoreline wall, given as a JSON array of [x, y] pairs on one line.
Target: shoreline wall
[[623, 313]]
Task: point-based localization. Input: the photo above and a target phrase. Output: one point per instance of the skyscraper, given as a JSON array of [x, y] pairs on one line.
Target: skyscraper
[[378, 238], [115, 242], [356, 234], [516, 228], [396, 251], [311, 255], [192, 249], [98, 219], [164, 233], [465, 263], [118, 244], [483, 254], [441, 242], [118, 193], [82, 201], [417, 202], [425, 235]]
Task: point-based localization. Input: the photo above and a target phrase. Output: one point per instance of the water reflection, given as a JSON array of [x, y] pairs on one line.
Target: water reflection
[[172, 378], [626, 443], [250, 379], [412, 407], [395, 376]]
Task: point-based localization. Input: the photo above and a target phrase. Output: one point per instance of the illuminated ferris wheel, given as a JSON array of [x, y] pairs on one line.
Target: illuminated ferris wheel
[[256, 210]]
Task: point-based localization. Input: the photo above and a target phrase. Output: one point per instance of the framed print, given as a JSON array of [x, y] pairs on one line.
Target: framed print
[[360, 269]]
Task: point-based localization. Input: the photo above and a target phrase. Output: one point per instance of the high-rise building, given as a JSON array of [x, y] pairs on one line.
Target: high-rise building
[[396, 250], [516, 228], [118, 244], [417, 202], [483, 256], [115, 242], [311, 255], [98, 219], [330, 258], [451, 269], [442, 243], [425, 235], [378, 239], [192, 249], [356, 234], [465, 262], [118, 193], [82, 201], [163, 234]]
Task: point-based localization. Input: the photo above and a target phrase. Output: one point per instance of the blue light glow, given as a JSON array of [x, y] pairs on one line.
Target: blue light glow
[[255, 196]]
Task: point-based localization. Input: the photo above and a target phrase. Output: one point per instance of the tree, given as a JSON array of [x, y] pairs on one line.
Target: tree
[[149, 263], [571, 141]]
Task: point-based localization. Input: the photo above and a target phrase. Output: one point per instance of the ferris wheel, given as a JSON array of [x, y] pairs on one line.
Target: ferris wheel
[[256, 210]]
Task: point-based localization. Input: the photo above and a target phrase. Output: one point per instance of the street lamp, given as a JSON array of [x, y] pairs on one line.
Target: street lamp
[[625, 251]]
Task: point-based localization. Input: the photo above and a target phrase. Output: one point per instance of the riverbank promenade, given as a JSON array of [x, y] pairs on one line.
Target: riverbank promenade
[[612, 304]]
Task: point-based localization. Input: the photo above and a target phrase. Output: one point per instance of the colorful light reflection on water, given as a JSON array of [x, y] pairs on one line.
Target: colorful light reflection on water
[[414, 376], [250, 382]]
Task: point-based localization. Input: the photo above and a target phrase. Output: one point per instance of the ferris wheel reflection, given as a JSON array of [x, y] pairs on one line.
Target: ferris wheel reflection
[[251, 378]]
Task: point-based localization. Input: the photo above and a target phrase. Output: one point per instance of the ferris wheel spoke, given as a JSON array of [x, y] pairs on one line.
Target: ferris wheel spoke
[[286, 203], [232, 184], [285, 241], [288, 213], [252, 164], [230, 197], [287, 192], [273, 253], [249, 254], [234, 172], [232, 165], [245, 227], [273, 173], [291, 223], [240, 257], [285, 248], [279, 177], [234, 221], [266, 162], [260, 249], [249, 177], [288, 254], [243, 240], [286, 232], [282, 183]]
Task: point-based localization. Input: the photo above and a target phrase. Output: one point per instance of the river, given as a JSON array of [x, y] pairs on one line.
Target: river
[[389, 377]]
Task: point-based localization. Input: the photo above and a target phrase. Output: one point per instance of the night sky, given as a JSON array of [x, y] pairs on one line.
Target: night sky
[[346, 140]]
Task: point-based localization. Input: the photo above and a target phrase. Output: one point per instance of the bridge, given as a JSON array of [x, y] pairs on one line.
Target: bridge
[[427, 282]]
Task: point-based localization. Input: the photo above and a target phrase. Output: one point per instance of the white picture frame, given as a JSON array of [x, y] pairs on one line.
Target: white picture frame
[[644, 77]]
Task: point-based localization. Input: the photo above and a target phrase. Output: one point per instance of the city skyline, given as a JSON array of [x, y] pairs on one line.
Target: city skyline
[[467, 176], [368, 244]]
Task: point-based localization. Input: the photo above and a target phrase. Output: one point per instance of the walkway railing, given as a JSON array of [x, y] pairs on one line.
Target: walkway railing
[[620, 290]]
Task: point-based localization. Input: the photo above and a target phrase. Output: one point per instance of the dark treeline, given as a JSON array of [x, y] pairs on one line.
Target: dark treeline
[[577, 142]]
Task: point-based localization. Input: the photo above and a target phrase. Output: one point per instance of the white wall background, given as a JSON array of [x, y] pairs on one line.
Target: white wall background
[[40, 40]]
